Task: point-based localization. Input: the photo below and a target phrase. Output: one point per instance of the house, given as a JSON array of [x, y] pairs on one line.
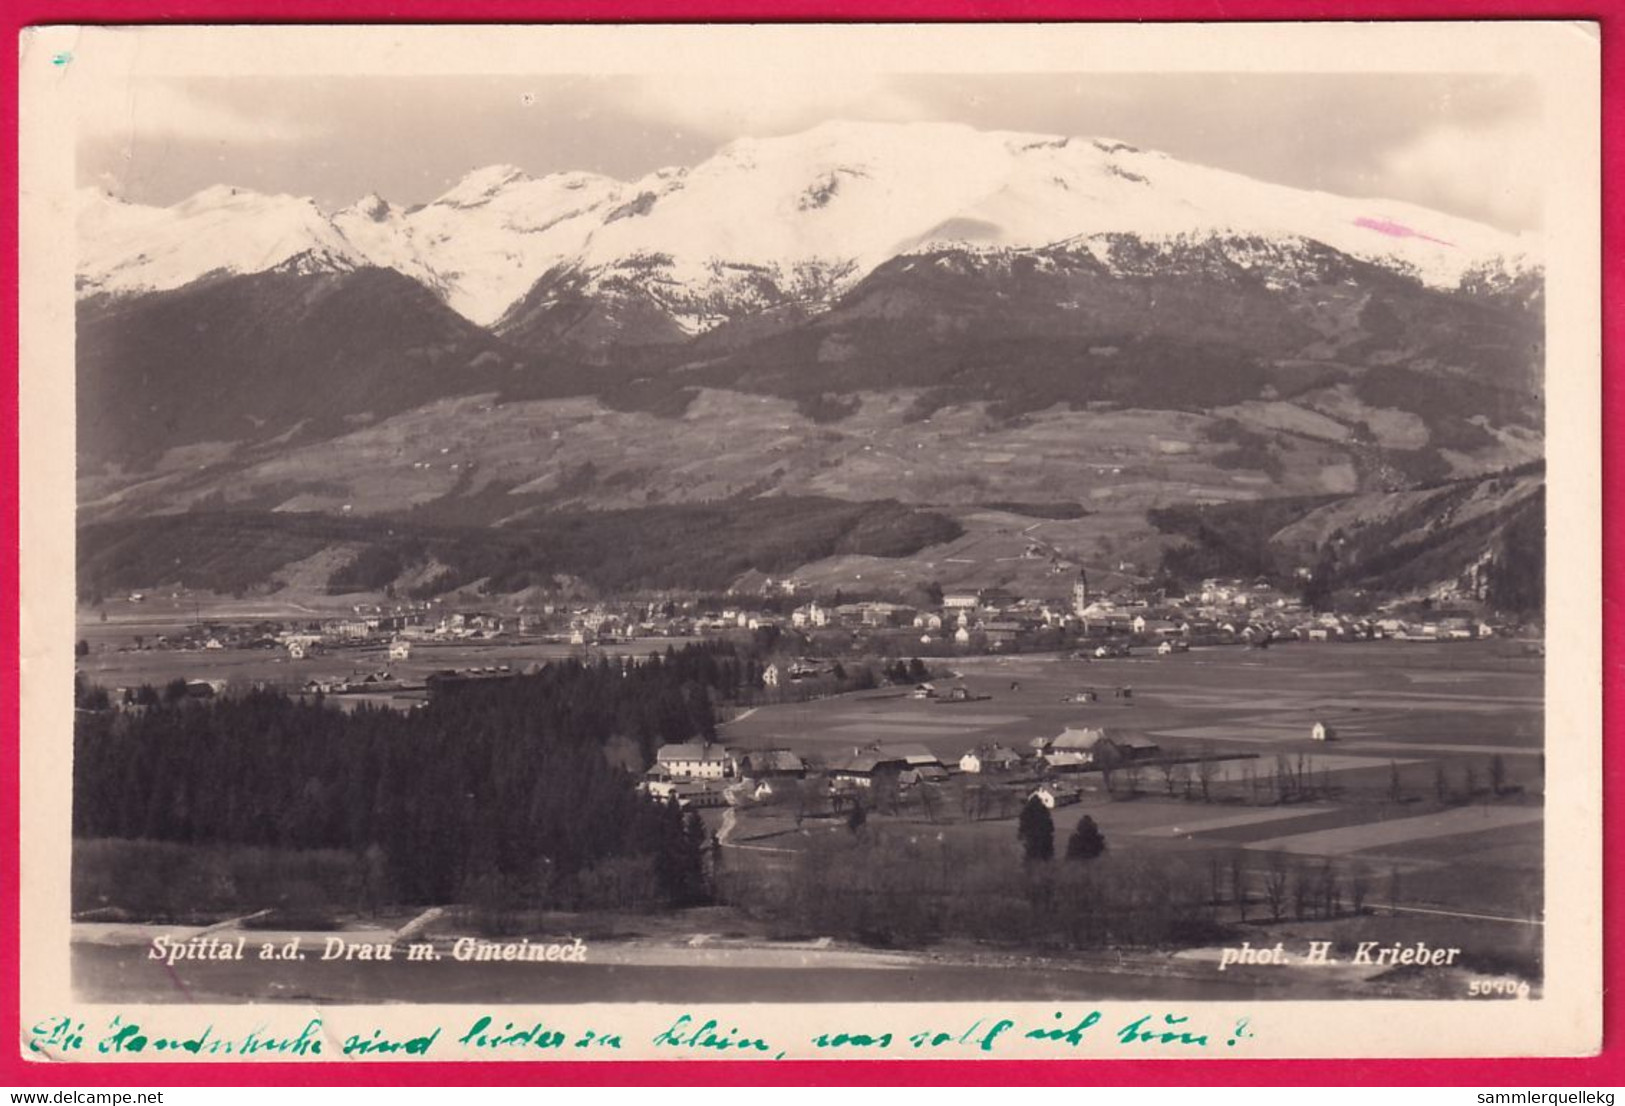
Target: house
[[695, 760], [1000, 634], [1320, 731], [858, 770], [772, 675], [909, 762], [1053, 795], [699, 795], [1169, 647], [1064, 761], [1134, 747], [1071, 749], [400, 650], [989, 758], [297, 650], [771, 764]]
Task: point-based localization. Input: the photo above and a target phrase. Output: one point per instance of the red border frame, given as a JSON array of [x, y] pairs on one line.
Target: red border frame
[[1605, 1069]]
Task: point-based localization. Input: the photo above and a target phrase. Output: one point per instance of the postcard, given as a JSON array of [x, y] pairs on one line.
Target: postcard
[[829, 541]]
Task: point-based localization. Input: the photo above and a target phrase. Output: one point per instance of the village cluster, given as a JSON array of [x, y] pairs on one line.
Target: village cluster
[[979, 620], [1054, 769]]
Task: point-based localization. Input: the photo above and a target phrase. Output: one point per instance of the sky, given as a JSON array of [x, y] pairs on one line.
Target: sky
[[1463, 144]]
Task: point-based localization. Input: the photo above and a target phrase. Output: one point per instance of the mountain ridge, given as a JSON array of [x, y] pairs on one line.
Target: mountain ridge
[[841, 198]]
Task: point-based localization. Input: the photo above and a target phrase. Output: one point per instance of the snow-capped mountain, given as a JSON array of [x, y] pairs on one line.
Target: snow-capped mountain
[[768, 222], [486, 241], [126, 248], [842, 198]]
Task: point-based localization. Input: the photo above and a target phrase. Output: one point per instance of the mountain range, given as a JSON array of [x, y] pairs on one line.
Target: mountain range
[[924, 313]]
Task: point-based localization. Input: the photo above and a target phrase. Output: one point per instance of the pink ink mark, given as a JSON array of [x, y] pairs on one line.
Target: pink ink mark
[[1398, 230]]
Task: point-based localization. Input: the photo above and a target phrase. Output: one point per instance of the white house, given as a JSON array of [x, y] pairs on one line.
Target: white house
[[695, 760], [1071, 748], [400, 650], [1053, 795], [771, 675], [1320, 731]]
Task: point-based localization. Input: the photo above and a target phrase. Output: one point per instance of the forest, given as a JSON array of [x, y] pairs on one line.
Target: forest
[[516, 789]]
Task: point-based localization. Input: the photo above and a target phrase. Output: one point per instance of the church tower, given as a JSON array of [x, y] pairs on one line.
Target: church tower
[[1080, 592]]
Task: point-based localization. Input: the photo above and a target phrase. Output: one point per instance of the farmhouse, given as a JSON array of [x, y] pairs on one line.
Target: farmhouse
[[695, 760], [760, 764], [1070, 740], [1052, 795], [1320, 731], [989, 758], [1134, 747], [1063, 761], [909, 762]]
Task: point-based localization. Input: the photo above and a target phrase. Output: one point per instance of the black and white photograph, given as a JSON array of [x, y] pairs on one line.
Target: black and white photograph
[[831, 527]]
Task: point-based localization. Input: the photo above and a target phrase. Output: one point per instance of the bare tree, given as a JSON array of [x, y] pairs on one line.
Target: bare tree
[[1331, 898], [1498, 774], [1469, 778], [1205, 769], [1238, 884], [1359, 888], [930, 802], [1170, 776], [1303, 890], [1131, 776], [1441, 784], [1396, 790], [1182, 773], [1275, 887]]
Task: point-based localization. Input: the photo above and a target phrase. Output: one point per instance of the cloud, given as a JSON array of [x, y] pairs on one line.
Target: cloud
[[727, 105], [171, 110], [1489, 172]]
